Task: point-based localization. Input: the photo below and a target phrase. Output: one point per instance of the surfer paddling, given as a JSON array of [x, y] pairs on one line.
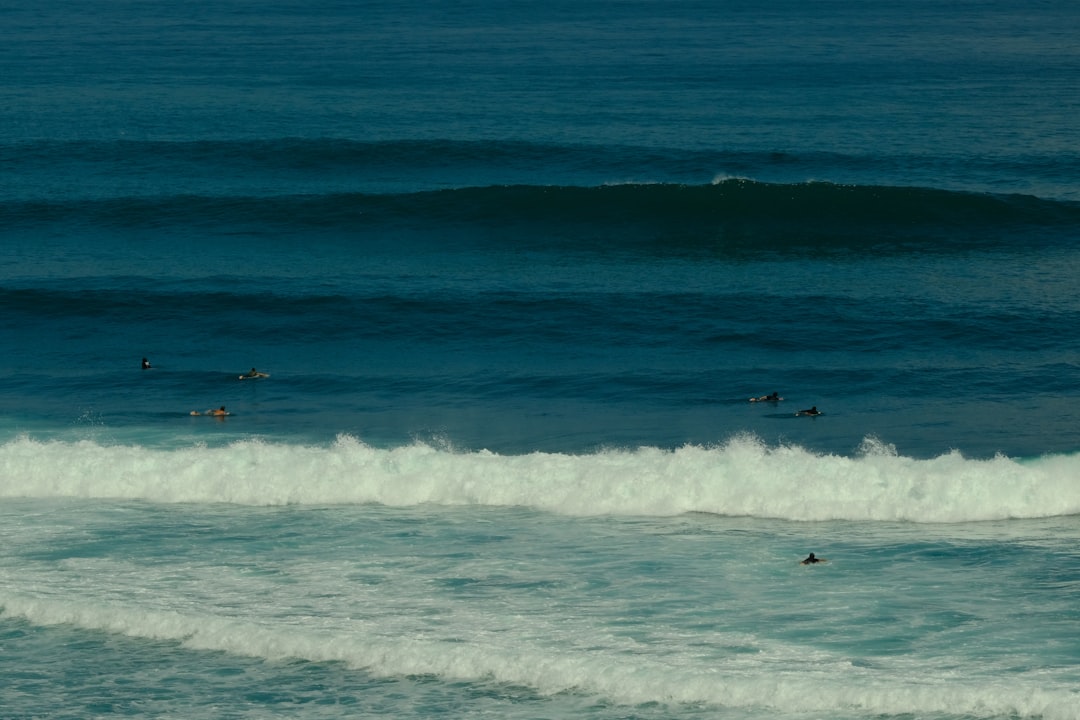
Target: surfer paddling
[[811, 412], [775, 397], [812, 560], [253, 373], [220, 412]]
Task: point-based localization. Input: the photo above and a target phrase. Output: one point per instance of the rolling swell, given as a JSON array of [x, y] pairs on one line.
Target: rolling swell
[[509, 162], [742, 215]]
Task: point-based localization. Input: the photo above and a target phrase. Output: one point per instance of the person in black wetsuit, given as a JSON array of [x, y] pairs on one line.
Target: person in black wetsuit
[[775, 397]]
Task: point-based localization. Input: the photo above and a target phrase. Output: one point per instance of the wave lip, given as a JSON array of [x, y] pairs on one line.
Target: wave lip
[[740, 478]]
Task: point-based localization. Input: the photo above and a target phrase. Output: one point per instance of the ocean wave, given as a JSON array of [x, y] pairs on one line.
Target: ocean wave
[[742, 477], [733, 216], [298, 156]]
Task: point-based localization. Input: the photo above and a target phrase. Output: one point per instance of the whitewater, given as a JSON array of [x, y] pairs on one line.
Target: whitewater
[[742, 478], [319, 608]]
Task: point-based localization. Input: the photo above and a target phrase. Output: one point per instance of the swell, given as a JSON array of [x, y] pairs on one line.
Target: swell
[[297, 156], [736, 215]]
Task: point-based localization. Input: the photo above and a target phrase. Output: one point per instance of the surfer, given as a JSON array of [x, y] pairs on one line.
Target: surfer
[[253, 373], [811, 560], [775, 397], [812, 411], [145, 364], [220, 412]]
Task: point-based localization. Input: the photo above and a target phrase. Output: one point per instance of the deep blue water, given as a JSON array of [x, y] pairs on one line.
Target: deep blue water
[[515, 271], [555, 317]]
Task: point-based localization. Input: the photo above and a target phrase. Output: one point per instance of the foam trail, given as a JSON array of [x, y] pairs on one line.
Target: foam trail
[[740, 478], [681, 679]]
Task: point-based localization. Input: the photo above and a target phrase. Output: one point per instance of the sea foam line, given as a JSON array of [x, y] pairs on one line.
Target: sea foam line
[[624, 680]]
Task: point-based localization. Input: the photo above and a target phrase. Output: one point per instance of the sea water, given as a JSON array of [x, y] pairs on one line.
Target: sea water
[[515, 271]]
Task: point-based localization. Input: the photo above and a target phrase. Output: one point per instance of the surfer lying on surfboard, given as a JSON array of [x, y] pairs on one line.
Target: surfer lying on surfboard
[[220, 412], [775, 397], [811, 560], [253, 373], [811, 411]]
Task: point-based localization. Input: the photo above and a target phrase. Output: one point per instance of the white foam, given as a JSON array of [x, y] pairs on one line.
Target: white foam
[[827, 685], [740, 478]]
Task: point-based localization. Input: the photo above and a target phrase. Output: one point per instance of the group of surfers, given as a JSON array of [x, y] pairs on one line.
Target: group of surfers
[[253, 373], [221, 411], [775, 397]]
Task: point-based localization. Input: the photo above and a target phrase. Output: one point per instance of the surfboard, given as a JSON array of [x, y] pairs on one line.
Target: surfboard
[[256, 376]]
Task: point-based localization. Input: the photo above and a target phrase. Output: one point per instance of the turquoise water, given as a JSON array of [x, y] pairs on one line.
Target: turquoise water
[[357, 611], [515, 272]]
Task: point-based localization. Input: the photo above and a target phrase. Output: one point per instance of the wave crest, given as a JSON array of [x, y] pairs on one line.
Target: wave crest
[[742, 477]]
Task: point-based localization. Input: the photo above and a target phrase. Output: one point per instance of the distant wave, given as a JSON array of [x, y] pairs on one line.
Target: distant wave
[[326, 154], [740, 478], [733, 215], [293, 157]]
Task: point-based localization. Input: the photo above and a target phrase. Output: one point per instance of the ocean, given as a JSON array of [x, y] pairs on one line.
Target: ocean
[[514, 273]]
